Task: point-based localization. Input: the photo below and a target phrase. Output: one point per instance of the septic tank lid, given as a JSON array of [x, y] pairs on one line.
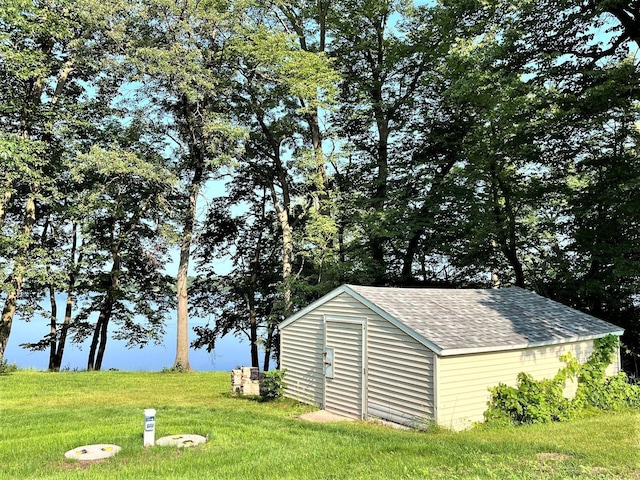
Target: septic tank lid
[[93, 452], [182, 440]]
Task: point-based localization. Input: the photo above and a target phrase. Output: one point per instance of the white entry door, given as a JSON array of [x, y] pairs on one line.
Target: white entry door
[[345, 367]]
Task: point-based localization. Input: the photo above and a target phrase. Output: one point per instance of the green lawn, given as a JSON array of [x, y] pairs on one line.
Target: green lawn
[[42, 415]]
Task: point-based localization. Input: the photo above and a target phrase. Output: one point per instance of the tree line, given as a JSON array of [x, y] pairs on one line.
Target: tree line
[[451, 143]]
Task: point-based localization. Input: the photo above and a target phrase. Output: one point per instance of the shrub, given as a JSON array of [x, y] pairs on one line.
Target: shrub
[[6, 367], [597, 390], [272, 385], [532, 401], [177, 368]]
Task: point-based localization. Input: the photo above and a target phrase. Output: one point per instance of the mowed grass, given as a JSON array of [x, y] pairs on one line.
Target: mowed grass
[[42, 415]]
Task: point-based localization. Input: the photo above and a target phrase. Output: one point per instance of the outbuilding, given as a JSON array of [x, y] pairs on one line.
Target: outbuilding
[[416, 356]]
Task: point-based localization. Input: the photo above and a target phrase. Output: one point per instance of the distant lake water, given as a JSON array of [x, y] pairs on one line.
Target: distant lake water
[[229, 353]]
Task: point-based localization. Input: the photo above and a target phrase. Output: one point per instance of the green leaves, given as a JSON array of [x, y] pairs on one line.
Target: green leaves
[[277, 58], [531, 401], [273, 384], [387, 142], [542, 401], [119, 167]]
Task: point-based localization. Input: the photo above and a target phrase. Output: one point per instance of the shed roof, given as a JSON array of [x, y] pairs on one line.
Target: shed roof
[[456, 321]]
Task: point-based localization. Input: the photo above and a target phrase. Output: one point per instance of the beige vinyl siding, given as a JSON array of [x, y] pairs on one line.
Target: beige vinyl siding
[[614, 368], [463, 380], [399, 368], [301, 345]]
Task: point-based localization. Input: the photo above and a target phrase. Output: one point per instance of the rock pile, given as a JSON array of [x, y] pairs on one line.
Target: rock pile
[[246, 380]]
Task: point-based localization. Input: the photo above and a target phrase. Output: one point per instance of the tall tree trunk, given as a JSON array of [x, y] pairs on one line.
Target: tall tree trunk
[[505, 224], [383, 115], [100, 334], [287, 255], [97, 341], [253, 335], [62, 336], [318, 155], [298, 22], [251, 295], [312, 118], [379, 201], [283, 212], [53, 312], [104, 335], [17, 276], [52, 301], [267, 349], [53, 327], [182, 335]]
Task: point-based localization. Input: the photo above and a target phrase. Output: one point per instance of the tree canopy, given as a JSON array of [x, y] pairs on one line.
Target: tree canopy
[[449, 143]]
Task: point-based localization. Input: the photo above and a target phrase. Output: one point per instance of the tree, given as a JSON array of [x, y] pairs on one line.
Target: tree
[[590, 80], [280, 89], [244, 300], [318, 240], [281, 85], [382, 64], [125, 198], [50, 54], [601, 270], [185, 69]]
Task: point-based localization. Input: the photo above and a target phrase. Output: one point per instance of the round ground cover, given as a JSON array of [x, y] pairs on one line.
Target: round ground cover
[[93, 452], [182, 440]]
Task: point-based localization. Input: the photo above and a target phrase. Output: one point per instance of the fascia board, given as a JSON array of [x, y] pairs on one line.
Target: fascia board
[[522, 346], [390, 318], [332, 294]]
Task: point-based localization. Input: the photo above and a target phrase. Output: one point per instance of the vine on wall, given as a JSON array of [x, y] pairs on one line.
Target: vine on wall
[[542, 401]]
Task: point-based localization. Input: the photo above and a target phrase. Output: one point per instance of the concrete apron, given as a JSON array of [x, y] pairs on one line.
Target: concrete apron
[[322, 416]]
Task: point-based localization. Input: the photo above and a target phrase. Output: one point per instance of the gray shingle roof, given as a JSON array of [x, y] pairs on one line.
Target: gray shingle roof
[[461, 319]]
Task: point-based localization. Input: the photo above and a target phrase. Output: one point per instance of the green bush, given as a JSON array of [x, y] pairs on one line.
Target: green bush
[[532, 401], [177, 368], [610, 393], [6, 367], [272, 385], [541, 401]]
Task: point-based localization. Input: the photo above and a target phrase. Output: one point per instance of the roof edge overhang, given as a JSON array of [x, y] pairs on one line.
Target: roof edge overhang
[[393, 320], [521, 346], [322, 300], [352, 293], [443, 352]]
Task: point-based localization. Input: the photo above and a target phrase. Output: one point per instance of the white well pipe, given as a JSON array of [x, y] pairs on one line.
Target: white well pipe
[[149, 436]]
